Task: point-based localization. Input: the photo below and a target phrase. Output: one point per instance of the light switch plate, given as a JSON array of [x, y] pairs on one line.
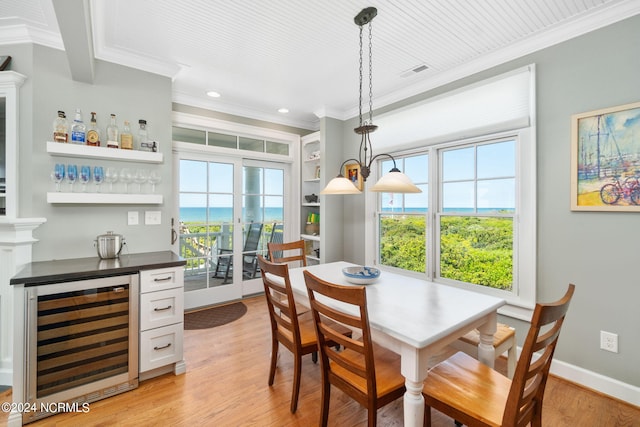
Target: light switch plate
[[152, 217], [133, 218]]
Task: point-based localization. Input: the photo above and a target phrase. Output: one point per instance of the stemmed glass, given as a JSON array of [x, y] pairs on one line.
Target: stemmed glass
[[154, 178], [85, 176], [111, 176], [140, 178], [72, 175], [58, 175], [126, 176], [98, 177]]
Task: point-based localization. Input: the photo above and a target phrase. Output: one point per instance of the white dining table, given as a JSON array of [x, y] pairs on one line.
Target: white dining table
[[416, 319]]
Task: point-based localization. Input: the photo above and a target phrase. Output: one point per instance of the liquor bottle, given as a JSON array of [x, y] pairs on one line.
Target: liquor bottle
[[126, 138], [93, 134], [113, 133], [143, 137], [78, 129], [61, 128]]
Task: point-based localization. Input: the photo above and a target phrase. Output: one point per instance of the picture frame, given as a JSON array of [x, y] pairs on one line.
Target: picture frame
[[316, 174], [352, 173], [605, 159]]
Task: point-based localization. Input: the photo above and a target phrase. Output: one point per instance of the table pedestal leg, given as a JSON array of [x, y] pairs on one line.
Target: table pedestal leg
[[413, 404]]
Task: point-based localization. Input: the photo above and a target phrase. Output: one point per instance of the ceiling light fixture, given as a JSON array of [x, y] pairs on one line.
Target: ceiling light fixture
[[283, 110], [213, 94], [393, 182]]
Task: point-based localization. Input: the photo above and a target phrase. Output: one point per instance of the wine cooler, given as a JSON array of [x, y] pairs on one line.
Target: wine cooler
[[82, 341]]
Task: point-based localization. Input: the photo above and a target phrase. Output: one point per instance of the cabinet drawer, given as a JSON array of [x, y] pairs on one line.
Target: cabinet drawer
[[161, 308], [160, 347], [161, 279]]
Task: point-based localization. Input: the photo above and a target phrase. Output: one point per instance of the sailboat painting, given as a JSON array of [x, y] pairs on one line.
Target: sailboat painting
[[605, 159]]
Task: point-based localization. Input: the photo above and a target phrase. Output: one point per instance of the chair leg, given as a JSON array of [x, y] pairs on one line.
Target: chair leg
[[274, 360], [314, 357], [297, 368], [512, 357], [372, 415], [326, 395], [427, 416]]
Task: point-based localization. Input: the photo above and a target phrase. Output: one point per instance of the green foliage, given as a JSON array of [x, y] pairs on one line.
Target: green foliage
[[472, 249]]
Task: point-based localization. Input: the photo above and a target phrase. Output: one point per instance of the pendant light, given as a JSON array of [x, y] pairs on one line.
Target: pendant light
[[393, 182]]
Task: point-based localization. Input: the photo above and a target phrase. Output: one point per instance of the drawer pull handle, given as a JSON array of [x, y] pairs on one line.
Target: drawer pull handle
[[162, 309], [118, 289], [163, 347], [162, 279]]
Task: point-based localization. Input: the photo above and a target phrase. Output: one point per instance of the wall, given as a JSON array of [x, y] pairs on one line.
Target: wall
[[130, 94], [596, 251]]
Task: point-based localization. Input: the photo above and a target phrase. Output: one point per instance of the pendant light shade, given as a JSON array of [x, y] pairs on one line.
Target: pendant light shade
[[340, 185], [393, 182]]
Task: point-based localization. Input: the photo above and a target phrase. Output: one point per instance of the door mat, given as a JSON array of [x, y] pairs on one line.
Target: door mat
[[215, 316]]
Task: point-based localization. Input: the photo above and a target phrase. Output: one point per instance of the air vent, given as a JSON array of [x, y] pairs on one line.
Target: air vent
[[414, 70]]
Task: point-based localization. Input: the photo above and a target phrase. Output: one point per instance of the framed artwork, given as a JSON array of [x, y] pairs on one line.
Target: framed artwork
[[605, 159], [352, 173]]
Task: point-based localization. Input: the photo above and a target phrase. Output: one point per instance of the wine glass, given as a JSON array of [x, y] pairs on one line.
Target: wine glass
[[126, 176], [154, 178], [58, 174], [140, 177], [72, 175], [98, 176], [85, 176], [111, 176]]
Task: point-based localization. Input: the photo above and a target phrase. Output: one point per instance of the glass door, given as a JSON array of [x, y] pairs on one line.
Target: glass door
[[229, 209]]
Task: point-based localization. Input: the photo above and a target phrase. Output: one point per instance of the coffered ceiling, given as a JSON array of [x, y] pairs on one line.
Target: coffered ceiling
[[300, 54]]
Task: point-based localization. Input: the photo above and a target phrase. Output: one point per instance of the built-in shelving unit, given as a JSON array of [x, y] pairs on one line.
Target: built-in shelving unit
[[104, 153], [310, 173]]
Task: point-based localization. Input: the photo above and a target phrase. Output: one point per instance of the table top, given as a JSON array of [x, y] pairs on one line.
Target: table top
[[412, 310]]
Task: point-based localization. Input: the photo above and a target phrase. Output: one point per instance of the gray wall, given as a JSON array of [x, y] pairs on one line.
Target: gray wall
[[130, 94], [596, 251]]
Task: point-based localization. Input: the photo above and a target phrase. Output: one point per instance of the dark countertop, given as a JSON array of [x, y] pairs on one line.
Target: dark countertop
[[66, 270]]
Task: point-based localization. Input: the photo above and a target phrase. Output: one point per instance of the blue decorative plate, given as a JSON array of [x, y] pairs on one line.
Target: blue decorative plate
[[361, 275]]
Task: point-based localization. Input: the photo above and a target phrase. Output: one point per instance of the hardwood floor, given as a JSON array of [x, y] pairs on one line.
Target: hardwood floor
[[226, 385]]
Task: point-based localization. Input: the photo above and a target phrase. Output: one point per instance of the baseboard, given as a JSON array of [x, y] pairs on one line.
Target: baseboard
[[600, 383]]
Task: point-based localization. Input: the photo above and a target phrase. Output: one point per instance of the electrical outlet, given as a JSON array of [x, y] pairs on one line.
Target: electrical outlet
[[609, 341], [132, 218], [152, 217]]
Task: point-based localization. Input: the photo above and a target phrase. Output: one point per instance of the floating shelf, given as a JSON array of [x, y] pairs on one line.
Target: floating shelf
[[104, 198], [313, 205], [84, 151], [312, 180]]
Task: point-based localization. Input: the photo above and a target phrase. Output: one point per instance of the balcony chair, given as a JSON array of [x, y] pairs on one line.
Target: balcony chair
[[295, 332], [364, 371], [277, 236], [475, 395], [224, 266]]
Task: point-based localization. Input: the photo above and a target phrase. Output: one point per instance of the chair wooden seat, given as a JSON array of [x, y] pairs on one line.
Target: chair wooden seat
[[504, 340], [296, 332], [368, 374], [475, 395]]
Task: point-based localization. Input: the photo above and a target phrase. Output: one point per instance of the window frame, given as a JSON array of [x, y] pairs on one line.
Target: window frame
[[521, 299]]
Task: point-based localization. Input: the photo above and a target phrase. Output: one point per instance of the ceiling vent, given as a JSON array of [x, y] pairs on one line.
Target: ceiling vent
[[414, 70]]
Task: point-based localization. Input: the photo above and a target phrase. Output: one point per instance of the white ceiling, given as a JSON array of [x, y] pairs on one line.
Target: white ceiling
[[303, 54]]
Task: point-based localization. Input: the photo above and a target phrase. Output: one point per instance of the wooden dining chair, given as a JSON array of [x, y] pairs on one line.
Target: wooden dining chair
[[475, 395], [367, 373], [295, 332], [287, 252]]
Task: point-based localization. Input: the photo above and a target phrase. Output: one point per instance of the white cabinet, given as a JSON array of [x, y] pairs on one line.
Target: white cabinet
[[58, 149], [161, 322], [310, 187]]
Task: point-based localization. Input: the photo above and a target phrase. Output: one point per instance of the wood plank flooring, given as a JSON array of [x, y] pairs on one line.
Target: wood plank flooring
[[226, 385]]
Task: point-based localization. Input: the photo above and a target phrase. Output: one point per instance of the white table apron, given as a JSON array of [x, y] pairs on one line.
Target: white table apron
[[416, 319]]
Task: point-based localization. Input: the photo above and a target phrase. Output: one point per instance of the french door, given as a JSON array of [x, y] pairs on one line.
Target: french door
[[228, 210]]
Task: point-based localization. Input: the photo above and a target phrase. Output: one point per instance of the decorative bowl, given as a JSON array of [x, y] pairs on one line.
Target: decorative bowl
[[361, 275]]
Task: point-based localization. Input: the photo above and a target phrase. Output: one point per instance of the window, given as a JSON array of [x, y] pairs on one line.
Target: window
[[473, 224]]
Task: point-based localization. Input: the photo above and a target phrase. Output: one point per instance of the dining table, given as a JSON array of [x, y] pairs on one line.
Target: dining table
[[414, 318]]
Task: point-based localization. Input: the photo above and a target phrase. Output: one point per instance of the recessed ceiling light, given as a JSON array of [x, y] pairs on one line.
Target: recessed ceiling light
[[283, 110], [213, 94]]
